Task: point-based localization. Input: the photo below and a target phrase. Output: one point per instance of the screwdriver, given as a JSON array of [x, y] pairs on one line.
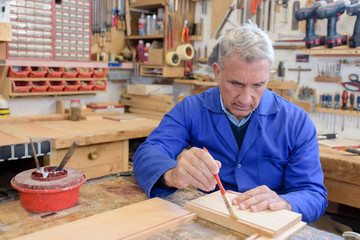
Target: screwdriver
[[336, 101], [329, 99], [352, 100], [344, 99]]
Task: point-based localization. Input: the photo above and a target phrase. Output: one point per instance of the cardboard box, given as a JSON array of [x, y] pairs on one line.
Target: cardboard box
[[148, 89], [156, 53]]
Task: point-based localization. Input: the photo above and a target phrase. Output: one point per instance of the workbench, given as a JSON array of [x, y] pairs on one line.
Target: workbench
[[101, 195], [104, 143], [341, 175]]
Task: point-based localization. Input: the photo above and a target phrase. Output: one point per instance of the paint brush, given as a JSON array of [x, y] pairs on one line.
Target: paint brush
[[224, 195]]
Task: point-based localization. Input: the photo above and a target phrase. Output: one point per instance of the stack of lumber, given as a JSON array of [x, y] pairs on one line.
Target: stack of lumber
[[150, 106], [262, 225]]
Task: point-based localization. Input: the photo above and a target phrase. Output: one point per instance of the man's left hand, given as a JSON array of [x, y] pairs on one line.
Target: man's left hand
[[260, 198]]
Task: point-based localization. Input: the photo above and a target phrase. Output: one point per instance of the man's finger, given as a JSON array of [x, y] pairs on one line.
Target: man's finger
[[277, 206]]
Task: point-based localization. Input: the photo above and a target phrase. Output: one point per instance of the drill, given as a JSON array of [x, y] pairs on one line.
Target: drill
[[308, 13], [332, 12], [354, 10]]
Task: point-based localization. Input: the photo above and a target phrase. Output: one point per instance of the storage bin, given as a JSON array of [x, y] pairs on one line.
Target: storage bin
[[37, 72], [18, 72], [100, 85], [99, 73], [21, 86], [85, 72], [70, 73], [40, 86], [72, 85], [86, 85], [56, 86], [54, 72]]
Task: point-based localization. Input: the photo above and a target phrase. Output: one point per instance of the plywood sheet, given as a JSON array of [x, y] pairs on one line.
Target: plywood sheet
[[136, 221], [268, 223]]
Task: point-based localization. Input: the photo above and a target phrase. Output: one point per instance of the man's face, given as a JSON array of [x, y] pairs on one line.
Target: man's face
[[242, 84]]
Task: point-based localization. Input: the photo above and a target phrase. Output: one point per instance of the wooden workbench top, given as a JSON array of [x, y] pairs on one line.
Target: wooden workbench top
[[64, 132], [106, 194]]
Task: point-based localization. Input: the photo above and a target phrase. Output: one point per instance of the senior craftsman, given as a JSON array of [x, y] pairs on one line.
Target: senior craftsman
[[265, 146]]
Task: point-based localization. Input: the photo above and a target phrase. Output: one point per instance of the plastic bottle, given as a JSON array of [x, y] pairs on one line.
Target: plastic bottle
[[153, 24], [146, 52], [4, 107], [140, 51], [148, 25], [75, 110], [141, 25]]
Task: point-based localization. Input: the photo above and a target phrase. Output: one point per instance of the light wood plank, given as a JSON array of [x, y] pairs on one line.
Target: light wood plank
[[136, 221], [268, 223]]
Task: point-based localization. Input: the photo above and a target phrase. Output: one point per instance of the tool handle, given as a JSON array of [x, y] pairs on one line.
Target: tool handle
[[221, 187], [68, 155]]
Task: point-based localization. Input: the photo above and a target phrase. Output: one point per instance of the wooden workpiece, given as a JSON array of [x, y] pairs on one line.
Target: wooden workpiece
[[103, 195]]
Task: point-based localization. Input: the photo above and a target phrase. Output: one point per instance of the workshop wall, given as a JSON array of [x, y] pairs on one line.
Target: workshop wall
[[324, 122]]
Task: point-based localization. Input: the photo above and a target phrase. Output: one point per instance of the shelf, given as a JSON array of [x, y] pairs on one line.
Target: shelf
[[38, 63], [280, 85], [338, 111], [196, 82], [161, 71], [145, 3], [337, 51], [160, 36]]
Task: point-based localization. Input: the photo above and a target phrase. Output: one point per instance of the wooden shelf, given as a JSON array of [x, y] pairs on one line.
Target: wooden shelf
[[338, 111], [37, 63], [328, 79], [282, 85], [196, 82], [337, 51], [160, 36], [145, 3]]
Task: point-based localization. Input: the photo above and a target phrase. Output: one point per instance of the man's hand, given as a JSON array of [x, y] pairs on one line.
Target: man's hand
[[196, 167], [260, 198]]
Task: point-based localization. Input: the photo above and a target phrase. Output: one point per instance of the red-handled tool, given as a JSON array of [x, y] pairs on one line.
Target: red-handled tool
[[224, 195], [185, 31], [171, 32]]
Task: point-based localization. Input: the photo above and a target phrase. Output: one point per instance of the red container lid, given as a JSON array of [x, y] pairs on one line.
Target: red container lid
[[75, 100], [25, 181]]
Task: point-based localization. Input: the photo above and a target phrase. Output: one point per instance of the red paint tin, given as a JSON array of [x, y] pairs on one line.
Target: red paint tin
[[48, 190]]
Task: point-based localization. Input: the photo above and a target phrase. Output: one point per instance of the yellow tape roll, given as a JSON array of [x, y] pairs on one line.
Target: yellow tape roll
[[186, 51], [173, 58]]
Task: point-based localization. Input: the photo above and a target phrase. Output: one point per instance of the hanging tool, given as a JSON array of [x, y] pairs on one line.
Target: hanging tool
[[332, 12], [258, 12], [185, 31], [223, 21], [171, 5], [188, 65], [109, 19], [308, 13], [354, 10], [294, 22], [176, 5], [299, 69], [171, 32], [182, 7], [352, 101], [263, 15], [281, 70], [354, 84], [269, 16], [253, 9]]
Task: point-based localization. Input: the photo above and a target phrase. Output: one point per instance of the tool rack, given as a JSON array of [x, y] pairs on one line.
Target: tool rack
[[22, 151]]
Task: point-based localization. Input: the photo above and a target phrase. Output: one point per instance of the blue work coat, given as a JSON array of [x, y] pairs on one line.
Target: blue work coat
[[280, 150]]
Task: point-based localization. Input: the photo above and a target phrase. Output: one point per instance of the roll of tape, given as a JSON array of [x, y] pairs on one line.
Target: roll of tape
[[173, 58], [186, 51]]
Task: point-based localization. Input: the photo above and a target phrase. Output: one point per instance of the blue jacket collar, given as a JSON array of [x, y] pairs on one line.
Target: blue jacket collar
[[267, 106]]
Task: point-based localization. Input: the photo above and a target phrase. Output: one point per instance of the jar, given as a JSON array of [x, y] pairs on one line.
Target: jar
[[75, 110]]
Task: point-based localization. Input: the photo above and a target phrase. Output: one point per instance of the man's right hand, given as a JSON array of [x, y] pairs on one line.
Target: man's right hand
[[196, 167]]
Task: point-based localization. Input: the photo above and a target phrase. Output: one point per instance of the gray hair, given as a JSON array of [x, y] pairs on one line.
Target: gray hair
[[249, 42]]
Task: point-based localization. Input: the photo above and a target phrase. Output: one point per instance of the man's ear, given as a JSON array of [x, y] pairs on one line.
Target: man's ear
[[216, 68]]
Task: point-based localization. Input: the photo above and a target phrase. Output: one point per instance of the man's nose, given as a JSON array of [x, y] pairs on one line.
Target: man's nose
[[245, 96]]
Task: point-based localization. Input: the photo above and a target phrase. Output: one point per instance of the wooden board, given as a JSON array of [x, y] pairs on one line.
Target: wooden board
[[271, 224], [136, 221], [219, 9]]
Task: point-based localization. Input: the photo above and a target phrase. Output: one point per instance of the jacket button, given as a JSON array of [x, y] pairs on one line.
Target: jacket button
[[239, 165]]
